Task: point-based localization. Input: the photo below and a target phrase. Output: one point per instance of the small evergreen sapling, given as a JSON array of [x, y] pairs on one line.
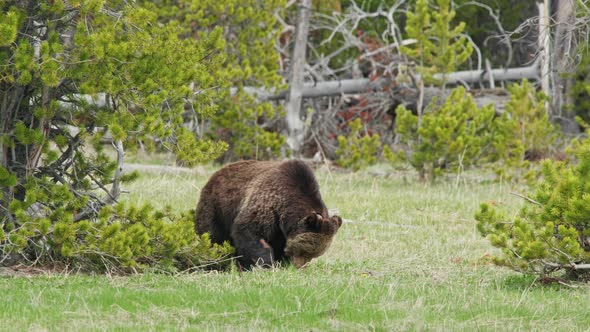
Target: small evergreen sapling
[[358, 149], [552, 232], [440, 47], [453, 137], [526, 135]]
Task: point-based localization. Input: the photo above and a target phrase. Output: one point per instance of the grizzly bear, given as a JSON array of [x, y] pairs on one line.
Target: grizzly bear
[[269, 211]]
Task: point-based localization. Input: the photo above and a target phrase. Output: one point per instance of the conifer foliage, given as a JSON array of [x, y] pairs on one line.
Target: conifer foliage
[[552, 232], [527, 136], [358, 149], [144, 65], [250, 30], [458, 134], [439, 47], [452, 136]]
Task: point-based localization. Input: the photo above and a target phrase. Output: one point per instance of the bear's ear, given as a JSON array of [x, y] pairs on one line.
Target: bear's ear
[[337, 220], [317, 223], [313, 220]]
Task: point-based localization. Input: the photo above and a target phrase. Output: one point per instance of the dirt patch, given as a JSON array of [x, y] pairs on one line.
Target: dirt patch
[[21, 270]]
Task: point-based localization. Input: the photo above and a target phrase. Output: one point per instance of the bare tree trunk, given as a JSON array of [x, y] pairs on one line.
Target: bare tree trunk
[[295, 125], [545, 45], [562, 67]]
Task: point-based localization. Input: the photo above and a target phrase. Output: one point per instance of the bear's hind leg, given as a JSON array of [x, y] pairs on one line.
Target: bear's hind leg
[[206, 221]]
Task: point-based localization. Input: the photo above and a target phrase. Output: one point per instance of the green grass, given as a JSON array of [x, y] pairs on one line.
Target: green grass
[[408, 258]]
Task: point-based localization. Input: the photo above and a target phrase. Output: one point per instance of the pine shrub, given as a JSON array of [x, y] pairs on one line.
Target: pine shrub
[[119, 238], [552, 231], [250, 32], [240, 123], [526, 136], [450, 138], [440, 46], [73, 71], [358, 149]]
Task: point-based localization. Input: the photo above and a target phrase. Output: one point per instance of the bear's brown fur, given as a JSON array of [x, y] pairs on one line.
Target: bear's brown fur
[[269, 211]]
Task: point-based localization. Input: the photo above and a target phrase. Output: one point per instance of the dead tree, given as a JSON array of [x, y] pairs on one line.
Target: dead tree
[[562, 67], [377, 80], [295, 125]]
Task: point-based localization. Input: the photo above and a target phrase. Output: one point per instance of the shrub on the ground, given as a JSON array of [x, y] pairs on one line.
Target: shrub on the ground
[[552, 232], [451, 137], [527, 135], [47, 229], [71, 71], [458, 135], [358, 149]]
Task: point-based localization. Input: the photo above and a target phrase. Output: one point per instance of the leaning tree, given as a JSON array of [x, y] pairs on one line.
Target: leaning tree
[[73, 71]]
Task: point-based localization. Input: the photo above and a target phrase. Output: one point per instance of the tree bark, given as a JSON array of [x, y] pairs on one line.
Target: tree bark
[[295, 125], [365, 85], [561, 65], [545, 45]]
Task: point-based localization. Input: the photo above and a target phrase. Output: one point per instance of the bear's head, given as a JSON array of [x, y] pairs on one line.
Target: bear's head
[[312, 238]]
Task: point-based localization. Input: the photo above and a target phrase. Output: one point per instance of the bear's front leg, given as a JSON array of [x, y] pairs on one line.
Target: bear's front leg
[[251, 249]]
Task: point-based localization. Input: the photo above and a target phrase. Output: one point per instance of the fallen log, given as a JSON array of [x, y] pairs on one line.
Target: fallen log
[[365, 85]]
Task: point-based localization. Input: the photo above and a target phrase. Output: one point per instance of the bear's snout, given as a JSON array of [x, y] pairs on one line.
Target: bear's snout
[[299, 262]]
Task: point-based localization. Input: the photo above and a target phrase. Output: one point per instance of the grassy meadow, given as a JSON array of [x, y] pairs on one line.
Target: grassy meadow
[[407, 258]]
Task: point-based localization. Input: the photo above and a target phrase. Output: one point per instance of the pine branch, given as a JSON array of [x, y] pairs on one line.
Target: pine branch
[[530, 200]]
